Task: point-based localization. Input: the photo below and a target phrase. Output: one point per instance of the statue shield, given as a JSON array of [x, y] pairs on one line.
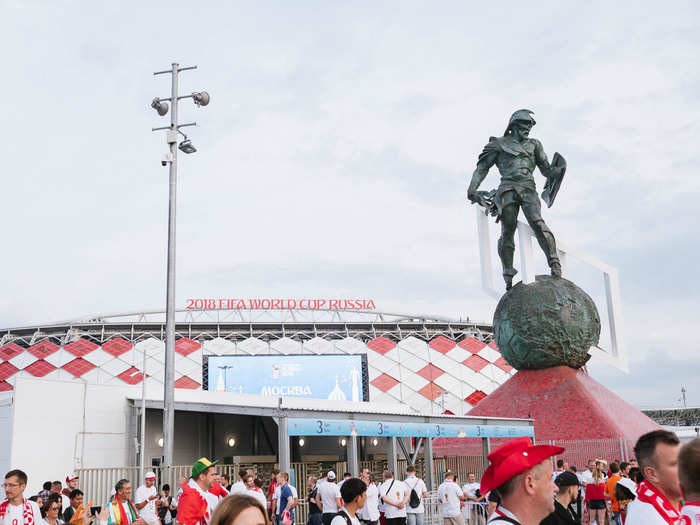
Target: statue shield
[[556, 175]]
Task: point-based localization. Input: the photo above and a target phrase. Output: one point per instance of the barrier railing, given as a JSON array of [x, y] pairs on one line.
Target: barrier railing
[[473, 513]]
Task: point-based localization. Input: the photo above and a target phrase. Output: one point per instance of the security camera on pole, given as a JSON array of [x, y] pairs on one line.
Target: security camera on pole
[[161, 106]]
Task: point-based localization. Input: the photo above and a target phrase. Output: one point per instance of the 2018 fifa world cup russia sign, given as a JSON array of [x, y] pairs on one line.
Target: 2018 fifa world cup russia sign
[[233, 303]]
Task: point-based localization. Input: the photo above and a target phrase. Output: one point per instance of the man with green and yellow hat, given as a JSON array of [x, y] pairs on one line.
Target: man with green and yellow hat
[[196, 504]]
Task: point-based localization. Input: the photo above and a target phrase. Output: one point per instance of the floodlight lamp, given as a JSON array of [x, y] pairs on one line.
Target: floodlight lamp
[[231, 442], [343, 442], [160, 107], [375, 442], [160, 441], [186, 146], [301, 442], [201, 98]]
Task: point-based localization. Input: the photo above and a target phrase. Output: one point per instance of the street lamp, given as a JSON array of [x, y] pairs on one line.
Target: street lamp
[[161, 106]]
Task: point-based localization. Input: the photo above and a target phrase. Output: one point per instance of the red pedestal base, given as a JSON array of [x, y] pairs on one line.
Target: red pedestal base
[[566, 404]]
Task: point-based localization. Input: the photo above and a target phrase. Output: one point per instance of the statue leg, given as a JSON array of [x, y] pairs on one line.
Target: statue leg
[[506, 243], [533, 213]]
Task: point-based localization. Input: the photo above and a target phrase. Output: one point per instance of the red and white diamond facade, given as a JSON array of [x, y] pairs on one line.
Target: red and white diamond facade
[[429, 364]]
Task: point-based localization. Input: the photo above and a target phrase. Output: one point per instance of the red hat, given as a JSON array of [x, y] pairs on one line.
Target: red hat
[[512, 458], [70, 477]]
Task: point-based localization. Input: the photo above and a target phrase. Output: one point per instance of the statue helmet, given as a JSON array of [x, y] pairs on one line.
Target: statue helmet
[[521, 114]]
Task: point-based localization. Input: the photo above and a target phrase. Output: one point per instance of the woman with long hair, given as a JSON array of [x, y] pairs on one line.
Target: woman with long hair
[[595, 495], [50, 512], [240, 509]]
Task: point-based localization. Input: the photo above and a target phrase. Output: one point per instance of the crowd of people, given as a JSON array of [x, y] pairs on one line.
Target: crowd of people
[[662, 486]]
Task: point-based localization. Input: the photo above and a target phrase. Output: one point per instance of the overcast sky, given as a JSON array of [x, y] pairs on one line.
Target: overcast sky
[[334, 157]]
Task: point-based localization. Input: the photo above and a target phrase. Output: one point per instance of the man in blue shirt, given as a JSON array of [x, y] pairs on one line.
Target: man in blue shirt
[[285, 501]]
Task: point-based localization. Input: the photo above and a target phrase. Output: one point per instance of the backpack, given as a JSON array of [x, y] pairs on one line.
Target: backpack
[[344, 515], [414, 499]]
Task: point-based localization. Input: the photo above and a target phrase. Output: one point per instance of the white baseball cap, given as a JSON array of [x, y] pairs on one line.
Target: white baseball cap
[[150, 475], [330, 475]]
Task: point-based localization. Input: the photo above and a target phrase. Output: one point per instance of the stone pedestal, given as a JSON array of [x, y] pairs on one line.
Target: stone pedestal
[[565, 404]]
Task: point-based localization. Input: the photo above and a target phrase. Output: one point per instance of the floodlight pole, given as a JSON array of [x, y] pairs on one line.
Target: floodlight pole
[[169, 379]]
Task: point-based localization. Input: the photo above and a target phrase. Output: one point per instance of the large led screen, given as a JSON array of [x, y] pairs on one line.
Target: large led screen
[[335, 377]]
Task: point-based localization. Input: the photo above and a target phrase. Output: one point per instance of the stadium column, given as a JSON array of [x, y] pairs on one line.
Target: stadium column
[[429, 465], [392, 456], [283, 444], [353, 462]]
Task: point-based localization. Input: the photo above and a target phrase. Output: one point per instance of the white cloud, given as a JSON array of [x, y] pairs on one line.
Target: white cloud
[[336, 150]]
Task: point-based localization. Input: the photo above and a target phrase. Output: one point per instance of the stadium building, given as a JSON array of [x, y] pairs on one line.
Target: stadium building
[[81, 381]]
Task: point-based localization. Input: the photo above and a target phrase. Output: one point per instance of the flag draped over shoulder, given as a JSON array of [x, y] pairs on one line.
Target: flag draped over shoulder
[[121, 512], [192, 508]]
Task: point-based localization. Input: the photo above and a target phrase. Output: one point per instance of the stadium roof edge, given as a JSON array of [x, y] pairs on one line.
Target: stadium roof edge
[[254, 316]]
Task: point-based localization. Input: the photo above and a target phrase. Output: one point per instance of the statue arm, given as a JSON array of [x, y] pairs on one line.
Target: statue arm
[[541, 159], [486, 160]]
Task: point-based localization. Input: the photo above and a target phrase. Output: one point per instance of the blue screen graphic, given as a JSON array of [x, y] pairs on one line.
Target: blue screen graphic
[[334, 377]]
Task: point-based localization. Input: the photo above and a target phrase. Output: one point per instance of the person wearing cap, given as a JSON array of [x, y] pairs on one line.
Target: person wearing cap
[[564, 513], [331, 500], [522, 473], [71, 484], [625, 493], [196, 504], [145, 499]]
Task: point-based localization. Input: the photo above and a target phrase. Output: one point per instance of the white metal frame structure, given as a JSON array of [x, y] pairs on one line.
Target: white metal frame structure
[[617, 355]]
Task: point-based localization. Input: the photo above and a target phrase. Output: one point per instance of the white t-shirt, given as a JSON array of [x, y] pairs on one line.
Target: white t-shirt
[[412, 482], [587, 476], [396, 492], [370, 512], [642, 513], [238, 488], [449, 494], [259, 495], [148, 513], [168, 518], [278, 488], [470, 489], [15, 513], [690, 514], [340, 520], [329, 493]]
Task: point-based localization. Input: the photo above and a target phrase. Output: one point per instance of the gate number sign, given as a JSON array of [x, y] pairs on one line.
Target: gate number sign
[[357, 427]]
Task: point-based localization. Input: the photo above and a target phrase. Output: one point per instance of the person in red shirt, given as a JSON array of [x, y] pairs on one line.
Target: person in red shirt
[[595, 496], [271, 489]]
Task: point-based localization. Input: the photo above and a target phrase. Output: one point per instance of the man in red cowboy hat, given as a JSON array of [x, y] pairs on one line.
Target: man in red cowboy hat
[[522, 473]]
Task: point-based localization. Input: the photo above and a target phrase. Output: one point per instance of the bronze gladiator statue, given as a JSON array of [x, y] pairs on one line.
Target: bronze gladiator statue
[[516, 155]]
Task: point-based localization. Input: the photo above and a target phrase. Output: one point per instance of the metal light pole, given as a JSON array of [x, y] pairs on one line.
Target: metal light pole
[[142, 447], [160, 105]]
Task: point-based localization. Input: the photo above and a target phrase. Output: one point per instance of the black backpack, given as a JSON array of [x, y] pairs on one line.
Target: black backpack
[[414, 500], [344, 515]]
